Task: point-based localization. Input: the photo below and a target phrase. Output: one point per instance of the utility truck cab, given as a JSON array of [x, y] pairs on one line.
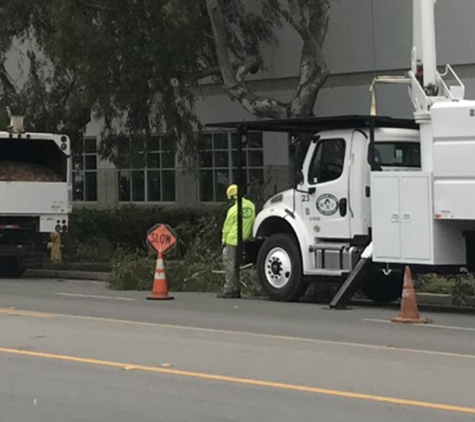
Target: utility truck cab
[[318, 230]]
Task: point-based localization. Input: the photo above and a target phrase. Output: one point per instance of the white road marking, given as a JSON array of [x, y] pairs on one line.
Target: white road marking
[[234, 333], [446, 327], [94, 296]]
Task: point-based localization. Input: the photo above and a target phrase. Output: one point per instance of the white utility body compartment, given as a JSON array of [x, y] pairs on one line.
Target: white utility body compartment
[[403, 227], [454, 160]]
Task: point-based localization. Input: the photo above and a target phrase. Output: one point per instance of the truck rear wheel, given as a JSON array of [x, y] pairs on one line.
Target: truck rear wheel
[[279, 266], [381, 288]]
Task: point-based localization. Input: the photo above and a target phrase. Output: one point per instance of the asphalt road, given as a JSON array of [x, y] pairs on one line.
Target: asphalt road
[[74, 351]]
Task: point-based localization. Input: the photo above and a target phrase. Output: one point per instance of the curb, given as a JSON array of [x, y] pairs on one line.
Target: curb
[[442, 299], [73, 275], [427, 302]]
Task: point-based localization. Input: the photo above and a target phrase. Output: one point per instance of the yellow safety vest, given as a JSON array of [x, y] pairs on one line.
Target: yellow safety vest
[[230, 229]]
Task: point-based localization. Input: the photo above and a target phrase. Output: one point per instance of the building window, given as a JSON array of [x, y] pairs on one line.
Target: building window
[[85, 171], [218, 164], [150, 173]]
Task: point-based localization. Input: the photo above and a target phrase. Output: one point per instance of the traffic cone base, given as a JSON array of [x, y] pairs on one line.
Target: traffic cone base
[[409, 313], [160, 287], [160, 298], [410, 321]]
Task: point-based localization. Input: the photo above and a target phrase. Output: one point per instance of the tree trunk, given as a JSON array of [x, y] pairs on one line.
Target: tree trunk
[[234, 81], [312, 25], [310, 19]]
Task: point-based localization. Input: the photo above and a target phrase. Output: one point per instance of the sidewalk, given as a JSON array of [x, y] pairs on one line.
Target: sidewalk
[[73, 275]]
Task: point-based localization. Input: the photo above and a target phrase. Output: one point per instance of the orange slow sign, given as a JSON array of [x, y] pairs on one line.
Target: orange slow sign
[[161, 238]]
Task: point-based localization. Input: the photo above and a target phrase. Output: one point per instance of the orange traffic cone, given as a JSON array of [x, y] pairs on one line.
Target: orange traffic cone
[[409, 311], [160, 287]]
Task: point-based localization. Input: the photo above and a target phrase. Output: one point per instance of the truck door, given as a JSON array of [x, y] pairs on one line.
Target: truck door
[[325, 207]]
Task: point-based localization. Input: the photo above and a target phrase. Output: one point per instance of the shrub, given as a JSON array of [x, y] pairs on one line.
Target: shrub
[[462, 288], [97, 235], [91, 250], [433, 283]]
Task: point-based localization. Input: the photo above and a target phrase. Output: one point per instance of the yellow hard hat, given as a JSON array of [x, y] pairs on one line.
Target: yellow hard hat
[[232, 191]]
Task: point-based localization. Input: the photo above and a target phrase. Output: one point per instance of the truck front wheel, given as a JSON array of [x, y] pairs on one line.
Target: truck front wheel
[[280, 269]]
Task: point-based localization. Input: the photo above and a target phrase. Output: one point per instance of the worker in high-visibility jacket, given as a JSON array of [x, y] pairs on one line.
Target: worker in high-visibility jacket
[[232, 287]]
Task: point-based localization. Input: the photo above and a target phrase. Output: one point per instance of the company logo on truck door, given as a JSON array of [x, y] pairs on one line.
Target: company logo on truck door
[[327, 204]]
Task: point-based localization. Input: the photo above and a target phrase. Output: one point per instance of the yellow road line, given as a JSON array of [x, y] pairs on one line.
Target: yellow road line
[[244, 334], [245, 381], [26, 313]]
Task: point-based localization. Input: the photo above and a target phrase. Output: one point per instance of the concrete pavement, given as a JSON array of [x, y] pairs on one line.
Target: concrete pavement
[[88, 354]]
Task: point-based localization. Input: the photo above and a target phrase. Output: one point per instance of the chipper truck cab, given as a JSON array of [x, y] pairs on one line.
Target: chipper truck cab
[[35, 194], [373, 194]]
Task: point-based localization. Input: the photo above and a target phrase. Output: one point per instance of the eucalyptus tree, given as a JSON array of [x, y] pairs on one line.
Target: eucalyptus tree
[[137, 64]]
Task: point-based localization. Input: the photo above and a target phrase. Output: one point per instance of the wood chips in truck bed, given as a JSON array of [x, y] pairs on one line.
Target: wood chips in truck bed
[[12, 171]]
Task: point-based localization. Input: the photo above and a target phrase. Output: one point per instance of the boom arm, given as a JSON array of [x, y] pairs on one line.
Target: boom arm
[[424, 50]]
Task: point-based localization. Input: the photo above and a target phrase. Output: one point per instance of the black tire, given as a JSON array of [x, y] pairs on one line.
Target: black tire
[[18, 269], [12, 268], [381, 288], [293, 285]]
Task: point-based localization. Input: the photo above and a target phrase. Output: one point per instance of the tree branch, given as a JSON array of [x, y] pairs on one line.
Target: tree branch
[[251, 65], [10, 93], [235, 83], [297, 19], [313, 67], [98, 6]]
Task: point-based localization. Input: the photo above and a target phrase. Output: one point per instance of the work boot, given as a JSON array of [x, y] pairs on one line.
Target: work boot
[[229, 295]]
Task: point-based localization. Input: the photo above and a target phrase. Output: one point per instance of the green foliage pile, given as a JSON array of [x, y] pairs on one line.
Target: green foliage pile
[[136, 63], [135, 272], [132, 272], [114, 240], [191, 272]]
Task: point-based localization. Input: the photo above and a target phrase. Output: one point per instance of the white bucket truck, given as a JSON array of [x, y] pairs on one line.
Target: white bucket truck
[[373, 193]]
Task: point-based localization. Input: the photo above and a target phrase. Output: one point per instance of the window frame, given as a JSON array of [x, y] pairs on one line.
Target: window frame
[[146, 171], [396, 143], [84, 154], [314, 154], [212, 149]]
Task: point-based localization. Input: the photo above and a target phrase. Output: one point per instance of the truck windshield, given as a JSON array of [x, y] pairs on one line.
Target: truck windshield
[[398, 154]]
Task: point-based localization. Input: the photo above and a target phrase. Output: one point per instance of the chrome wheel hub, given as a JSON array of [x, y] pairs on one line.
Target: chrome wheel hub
[[278, 268]]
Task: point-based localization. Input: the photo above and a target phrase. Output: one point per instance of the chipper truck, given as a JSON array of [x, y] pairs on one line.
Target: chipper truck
[[35, 194]]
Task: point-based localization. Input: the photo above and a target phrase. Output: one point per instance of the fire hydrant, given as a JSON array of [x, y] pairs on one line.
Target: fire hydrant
[[55, 247]]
